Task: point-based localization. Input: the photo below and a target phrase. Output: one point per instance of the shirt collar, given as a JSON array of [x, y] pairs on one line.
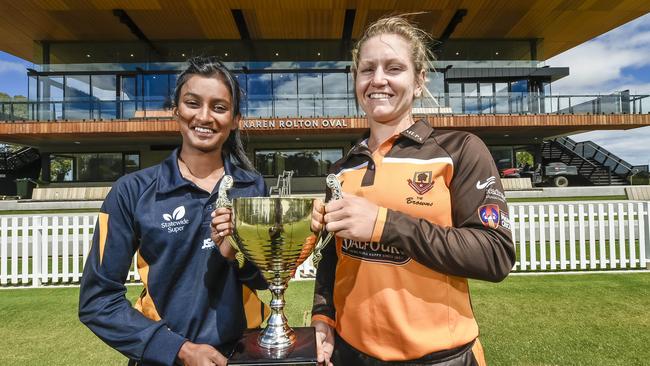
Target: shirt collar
[[170, 178], [418, 132]]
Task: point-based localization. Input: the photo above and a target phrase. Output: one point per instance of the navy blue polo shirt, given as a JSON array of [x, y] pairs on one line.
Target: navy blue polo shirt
[[191, 291]]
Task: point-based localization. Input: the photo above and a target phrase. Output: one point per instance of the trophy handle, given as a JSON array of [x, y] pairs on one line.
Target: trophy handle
[[337, 193], [224, 201]]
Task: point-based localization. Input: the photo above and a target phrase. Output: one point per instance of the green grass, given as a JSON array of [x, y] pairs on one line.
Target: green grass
[[590, 319]]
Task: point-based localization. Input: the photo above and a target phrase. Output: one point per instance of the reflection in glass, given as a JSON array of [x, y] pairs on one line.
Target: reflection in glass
[[259, 95], [103, 96], [470, 97], [92, 167], [303, 163], [502, 156], [336, 97], [77, 96], [156, 88], [51, 90], [502, 98], [455, 98], [285, 94], [128, 96], [310, 94]]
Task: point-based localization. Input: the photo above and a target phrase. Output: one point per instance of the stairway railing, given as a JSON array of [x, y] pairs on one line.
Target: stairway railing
[[586, 168], [17, 159], [591, 150]]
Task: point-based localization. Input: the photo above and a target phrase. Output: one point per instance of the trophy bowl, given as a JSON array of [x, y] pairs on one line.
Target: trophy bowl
[[274, 234]]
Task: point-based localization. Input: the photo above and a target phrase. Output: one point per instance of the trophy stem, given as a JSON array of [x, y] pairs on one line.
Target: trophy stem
[[277, 334]]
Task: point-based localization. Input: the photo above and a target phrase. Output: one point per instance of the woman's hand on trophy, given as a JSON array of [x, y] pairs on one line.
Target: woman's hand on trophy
[[324, 342], [193, 354], [221, 226], [351, 217], [317, 216]]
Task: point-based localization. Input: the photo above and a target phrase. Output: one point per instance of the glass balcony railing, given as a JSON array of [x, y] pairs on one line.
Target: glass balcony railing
[[331, 105]]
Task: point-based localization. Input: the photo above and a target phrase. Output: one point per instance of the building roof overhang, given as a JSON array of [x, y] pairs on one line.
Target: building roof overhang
[[559, 24]]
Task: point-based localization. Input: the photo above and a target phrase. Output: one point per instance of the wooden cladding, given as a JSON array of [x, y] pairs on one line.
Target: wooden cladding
[[322, 125]]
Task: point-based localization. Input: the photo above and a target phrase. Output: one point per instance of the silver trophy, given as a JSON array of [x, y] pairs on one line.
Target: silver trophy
[[274, 233]]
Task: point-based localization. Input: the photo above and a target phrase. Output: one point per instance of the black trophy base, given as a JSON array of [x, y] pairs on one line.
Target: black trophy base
[[303, 352]]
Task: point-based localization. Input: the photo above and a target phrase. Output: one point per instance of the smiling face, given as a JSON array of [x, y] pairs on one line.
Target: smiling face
[[386, 82], [204, 114]]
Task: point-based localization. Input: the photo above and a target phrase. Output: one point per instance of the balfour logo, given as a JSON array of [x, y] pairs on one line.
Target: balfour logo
[[374, 252], [488, 182], [422, 182], [175, 222]]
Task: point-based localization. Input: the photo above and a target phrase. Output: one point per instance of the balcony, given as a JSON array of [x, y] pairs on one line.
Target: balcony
[[318, 106]]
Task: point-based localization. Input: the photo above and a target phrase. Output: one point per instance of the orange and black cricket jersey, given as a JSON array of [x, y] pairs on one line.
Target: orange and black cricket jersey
[[443, 218]]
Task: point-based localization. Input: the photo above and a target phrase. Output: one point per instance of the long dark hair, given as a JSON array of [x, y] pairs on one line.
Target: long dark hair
[[211, 67]]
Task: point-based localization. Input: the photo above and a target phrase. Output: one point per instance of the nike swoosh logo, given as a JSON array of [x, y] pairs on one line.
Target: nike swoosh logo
[[488, 182]]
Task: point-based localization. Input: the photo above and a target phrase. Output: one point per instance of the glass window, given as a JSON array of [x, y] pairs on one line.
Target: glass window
[[259, 95], [519, 86], [103, 95], [128, 96], [336, 101], [455, 98], [243, 106], [156, 92], [92, 167], [502, 156], [502, 98], [486, 101], [519, 92], [304, 163], [61, 168], [310, 95], [285, 94], [470, 97], [32, 93], [77, 97], [131, 162], [51, 91]]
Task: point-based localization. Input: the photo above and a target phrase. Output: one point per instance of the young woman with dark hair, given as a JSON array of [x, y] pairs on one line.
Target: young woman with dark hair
[[191, 310]]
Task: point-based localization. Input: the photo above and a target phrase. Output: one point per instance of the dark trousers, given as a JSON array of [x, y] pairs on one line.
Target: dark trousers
[[346, 355]]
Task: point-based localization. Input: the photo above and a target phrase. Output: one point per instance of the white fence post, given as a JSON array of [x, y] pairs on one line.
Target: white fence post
[[36, 251], [613, 262], [646, 224], [4, 235], [55, 250], [52, 249], [601, 237]]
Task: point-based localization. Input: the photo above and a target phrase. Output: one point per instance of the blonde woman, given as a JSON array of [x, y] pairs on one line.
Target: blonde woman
[[423, 210]]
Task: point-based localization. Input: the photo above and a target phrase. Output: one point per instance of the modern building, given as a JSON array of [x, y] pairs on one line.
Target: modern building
[[99, 94]]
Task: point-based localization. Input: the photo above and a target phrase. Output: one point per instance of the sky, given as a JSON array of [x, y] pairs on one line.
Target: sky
[[615, 61]]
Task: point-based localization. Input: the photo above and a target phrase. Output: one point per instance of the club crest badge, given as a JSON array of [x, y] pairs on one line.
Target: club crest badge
[[489, 215], [422, 182]]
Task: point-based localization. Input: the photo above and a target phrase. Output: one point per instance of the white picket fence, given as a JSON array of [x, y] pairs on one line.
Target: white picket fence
[[43, 250]]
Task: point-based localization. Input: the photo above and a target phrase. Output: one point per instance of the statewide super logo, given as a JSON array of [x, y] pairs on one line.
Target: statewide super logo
[[422, 182], [489, 215], [175, 222]]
